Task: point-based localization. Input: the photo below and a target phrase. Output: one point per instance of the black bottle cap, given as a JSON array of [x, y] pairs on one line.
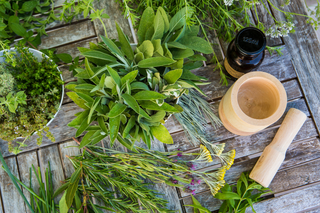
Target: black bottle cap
[[251, 41]]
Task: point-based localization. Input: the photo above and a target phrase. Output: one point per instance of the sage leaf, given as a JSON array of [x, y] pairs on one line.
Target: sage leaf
[[155, 62], [90, 72], [159, 116], [94, 105], [85, 87], [99, 55], [115, 76], [102, 124], [86, 139], [172, 76], [114, 128], [153, 106], [181, 54], [162, 134], [165, 19], [146, 48], [197, 57], [125, 44], [139, 85], [109, 82], [130, 77], [148, 95], [138, 57], [179, 19], [131, 123], [145, 22], [63, 207], [131, 102], [149, 32], [85, 97], [158, 25], [117, 110], [174, 44], [76, 99], [197, 44], [188, 75], [78, 120], [158, 50], [112, 46]]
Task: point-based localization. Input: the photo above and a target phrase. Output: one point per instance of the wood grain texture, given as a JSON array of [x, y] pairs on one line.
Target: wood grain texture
[[58, 127], [267, 20], [11, 199], [67, 34], [113, 9], [51, 154], [296, 201], [70, 149], [25, 162], [304, 48], [72, 48]]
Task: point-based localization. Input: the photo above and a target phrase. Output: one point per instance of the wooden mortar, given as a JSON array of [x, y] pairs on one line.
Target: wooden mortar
[[252, 103], [274, 154]]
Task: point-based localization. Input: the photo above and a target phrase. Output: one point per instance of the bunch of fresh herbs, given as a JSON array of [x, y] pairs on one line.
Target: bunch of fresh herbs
[[120, 181], [30, 99], [244, 194], [132, 92]]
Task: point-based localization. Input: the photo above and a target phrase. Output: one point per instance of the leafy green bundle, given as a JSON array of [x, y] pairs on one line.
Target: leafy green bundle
[[130, 93], [119, 180], [31, 99]]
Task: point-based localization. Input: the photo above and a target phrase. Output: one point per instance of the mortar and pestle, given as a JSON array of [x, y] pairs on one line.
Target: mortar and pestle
[[253, 102]]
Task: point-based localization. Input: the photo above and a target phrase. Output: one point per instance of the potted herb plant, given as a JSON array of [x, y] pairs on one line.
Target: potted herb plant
[[130, 93], [31, 92]]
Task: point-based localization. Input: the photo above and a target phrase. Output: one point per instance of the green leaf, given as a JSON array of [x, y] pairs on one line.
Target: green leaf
[[131, 123], [78, 100], [174, 44], [131, 76], [162, 134], [138, 57], [28, 6], [86, 139], [159, 116], [146, 48], [227, 196], [181, 54], [99, 55], [158, 26], [148, 95], [115, 76], [85, 87], [139, 85], [179, 19], [84, 125], [114, 128], [188, 75], [18, 29], [102, 124], [251, 204], [109, 82], [244, 179], [165, 19], [66, 58], [117, 110], [63, 207], [2, 26], [94, 106], [78, 120], [153, 106], [125, 44], [85, 97], [158, 50], [155, 62], [197, 44], [73, 186], [197, 57], [90, 72], [112, 46], [145, 22], [192, 30], [131, 102], [172, 76]]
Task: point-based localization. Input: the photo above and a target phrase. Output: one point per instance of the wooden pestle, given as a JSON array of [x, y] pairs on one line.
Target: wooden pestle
[[274, 154]]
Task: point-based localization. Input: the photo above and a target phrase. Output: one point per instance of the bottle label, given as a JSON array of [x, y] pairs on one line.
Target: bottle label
[[231, 71]]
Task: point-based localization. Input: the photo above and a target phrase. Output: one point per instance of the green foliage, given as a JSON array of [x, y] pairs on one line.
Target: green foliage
[[28, 111], [121, 181], [125, 89], [197, 207], [238, 198], [7, 81]]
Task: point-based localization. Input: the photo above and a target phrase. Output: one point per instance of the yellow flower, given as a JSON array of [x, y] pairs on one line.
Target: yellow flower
[[228, 158], [205, 155], [215, 186]]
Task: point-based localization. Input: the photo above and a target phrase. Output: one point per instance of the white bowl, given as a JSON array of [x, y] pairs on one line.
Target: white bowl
[[38, 55]]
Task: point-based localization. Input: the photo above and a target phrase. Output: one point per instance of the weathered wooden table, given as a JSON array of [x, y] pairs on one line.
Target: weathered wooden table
[[296, 187]]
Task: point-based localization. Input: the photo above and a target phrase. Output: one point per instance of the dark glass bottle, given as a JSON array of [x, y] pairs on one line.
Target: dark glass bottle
[[245, 52]]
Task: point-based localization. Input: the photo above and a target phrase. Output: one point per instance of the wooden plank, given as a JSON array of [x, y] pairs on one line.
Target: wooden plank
[[72, 48], [113, 9], [221, 134], [12, 201], [67, 34], [70, 149], [279, 66], [296, 201], [286, 178], [304, 48], [25, 162], [51, 154], [267, 20]]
